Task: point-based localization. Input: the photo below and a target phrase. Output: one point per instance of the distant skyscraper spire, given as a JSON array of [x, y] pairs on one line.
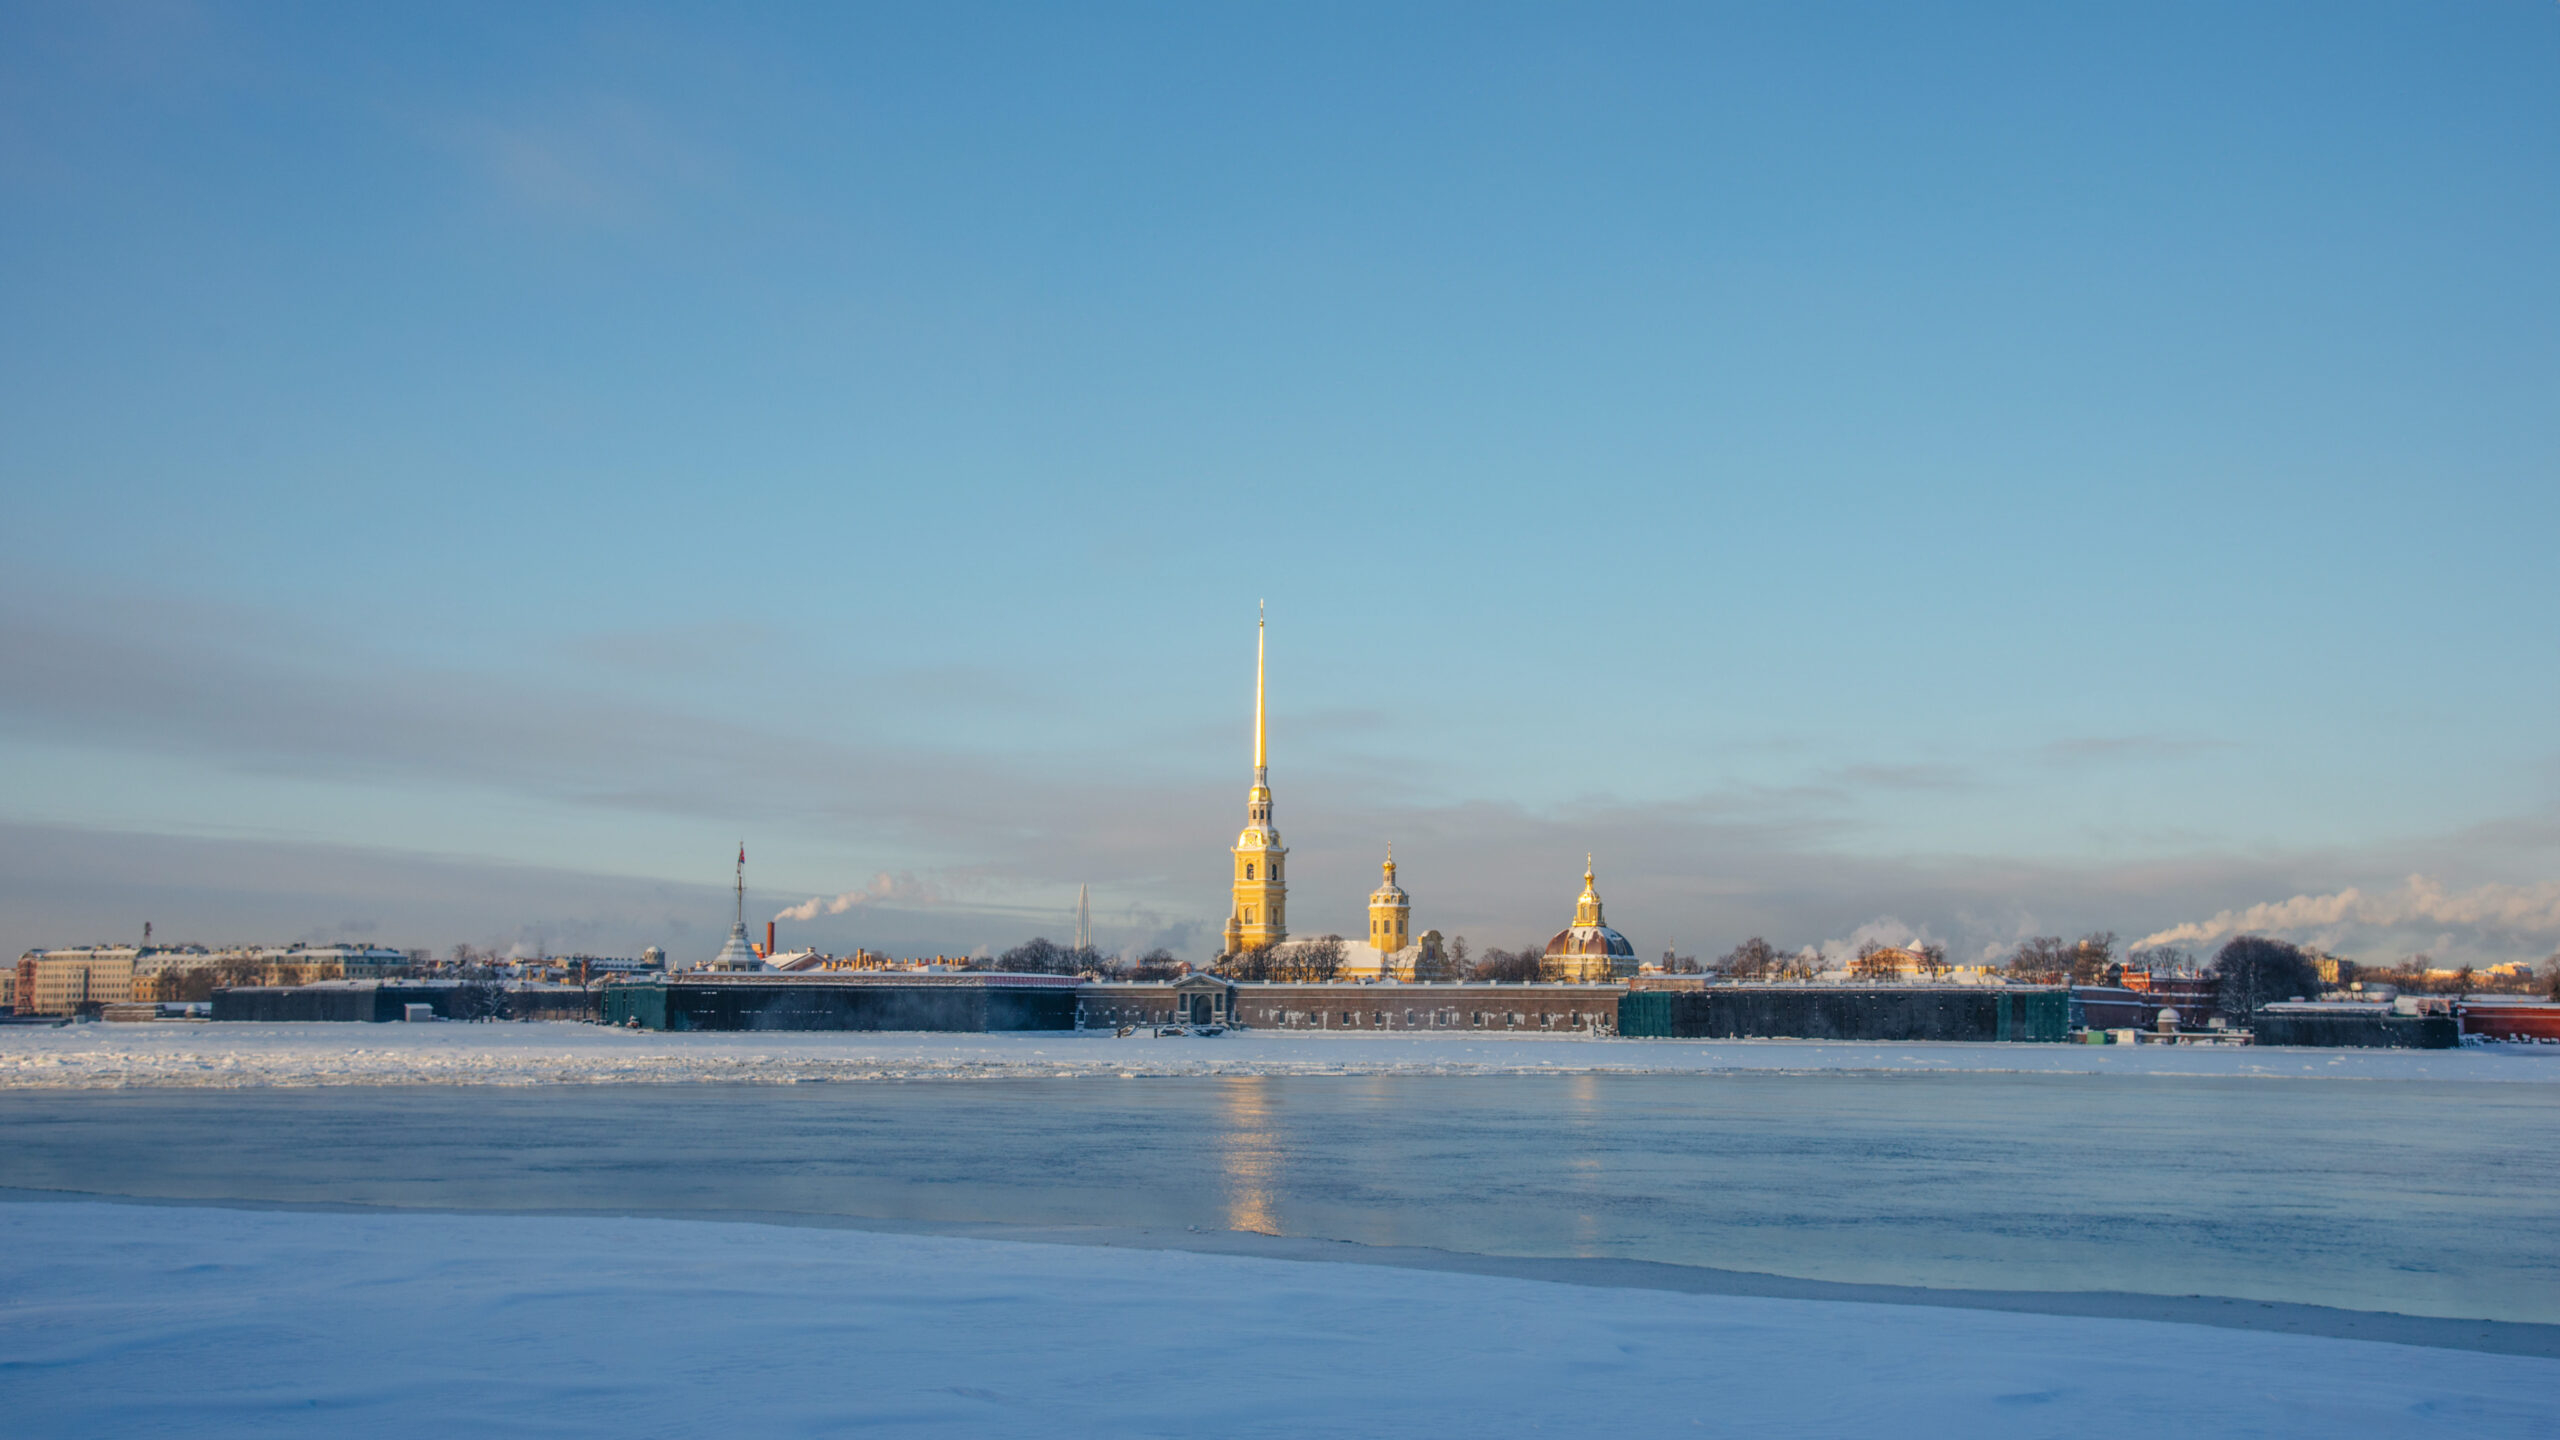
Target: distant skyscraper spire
[[1084, 917]]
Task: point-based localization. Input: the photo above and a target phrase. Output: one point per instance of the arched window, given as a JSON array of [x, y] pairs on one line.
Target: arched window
[[1248, 869]]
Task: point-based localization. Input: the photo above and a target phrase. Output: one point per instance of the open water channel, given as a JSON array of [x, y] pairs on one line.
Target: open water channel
[[2425, 1198]]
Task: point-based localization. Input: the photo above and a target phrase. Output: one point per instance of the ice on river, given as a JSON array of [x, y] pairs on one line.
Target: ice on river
[[140, 1320], [173, 1054]]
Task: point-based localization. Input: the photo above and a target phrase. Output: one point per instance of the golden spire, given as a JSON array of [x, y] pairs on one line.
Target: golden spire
[[1260, 914], [1259, 623]]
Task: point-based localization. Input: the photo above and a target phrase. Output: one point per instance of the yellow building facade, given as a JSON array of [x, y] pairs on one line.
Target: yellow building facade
[[1258, 915]]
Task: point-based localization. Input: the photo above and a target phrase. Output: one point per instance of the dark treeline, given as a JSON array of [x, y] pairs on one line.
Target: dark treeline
[[1041, 955]]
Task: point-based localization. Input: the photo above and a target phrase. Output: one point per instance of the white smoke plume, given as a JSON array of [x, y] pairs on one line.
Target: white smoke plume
[[2518, 909], [1883, 930], [899, 889]]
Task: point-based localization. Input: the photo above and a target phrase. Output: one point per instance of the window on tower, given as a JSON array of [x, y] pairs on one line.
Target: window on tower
[[1248, 869]]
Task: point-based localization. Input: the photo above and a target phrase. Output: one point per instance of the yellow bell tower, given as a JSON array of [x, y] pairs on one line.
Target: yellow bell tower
[[1390, 912], [1259, 916]]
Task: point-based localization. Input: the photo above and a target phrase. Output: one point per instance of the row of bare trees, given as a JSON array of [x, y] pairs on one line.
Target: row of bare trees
[[1295, 962], [2251, 970], [1757, 959]]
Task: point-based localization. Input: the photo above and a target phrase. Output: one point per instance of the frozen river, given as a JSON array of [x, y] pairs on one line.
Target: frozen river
[[2426, 1198]]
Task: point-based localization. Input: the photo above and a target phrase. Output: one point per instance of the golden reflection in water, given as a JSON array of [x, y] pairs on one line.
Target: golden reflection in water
[[1585, 1090], [1584, 1169], [1249, 1156]]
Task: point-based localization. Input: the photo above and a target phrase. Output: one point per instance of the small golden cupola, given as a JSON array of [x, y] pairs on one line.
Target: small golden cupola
[[1390, 912]]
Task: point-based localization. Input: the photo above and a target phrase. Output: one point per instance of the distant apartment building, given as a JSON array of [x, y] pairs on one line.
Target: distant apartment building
[[65, 981], [328, 962], [60, 982]]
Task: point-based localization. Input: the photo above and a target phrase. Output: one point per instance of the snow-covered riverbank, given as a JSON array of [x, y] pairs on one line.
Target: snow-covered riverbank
[[130, 1320], [96, 1056]]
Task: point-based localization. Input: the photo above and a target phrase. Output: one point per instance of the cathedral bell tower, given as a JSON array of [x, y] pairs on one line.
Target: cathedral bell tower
[[1259, 916], [1390, 912]]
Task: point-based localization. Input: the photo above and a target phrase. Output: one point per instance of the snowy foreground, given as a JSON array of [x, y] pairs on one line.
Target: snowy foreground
[[231, 1055], [136, 1320]]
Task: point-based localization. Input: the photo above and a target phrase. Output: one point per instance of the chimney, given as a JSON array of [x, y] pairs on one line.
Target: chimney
[[768, 939]]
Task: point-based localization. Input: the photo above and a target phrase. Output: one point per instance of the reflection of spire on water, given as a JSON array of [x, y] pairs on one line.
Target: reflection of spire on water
[[1584, 1170], [1249, 1153]]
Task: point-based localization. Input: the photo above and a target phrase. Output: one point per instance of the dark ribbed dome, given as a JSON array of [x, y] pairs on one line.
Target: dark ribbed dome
[[1597, 942]]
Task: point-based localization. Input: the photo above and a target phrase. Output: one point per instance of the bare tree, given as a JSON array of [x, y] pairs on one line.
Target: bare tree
[[1040, 955], [480, 1000], [2163, 959], [1309, 962], [1805, 964], [1156, 964], [2255, 972], [1933, 961], [1035, 956], [1753, 959], [2091, 957], [2043, 960], [1460, 966], [1255, 964], [1510, 966]]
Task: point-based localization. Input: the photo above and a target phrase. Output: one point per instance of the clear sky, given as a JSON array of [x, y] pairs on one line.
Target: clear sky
[[1862, 471]]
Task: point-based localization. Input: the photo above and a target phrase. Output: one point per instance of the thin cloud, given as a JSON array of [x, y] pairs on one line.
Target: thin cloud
[[592, 159], [2102, 749], [1921, 776]]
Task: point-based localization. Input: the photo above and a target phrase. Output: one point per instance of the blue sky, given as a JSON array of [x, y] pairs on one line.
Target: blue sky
[[1968, 472]]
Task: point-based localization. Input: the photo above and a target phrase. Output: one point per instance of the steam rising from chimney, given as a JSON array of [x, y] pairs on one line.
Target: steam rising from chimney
[[902, 888], [2524, 909]]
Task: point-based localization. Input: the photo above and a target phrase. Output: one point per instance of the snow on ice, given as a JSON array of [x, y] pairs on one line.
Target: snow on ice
[[232, 1055], [143, 1320]]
